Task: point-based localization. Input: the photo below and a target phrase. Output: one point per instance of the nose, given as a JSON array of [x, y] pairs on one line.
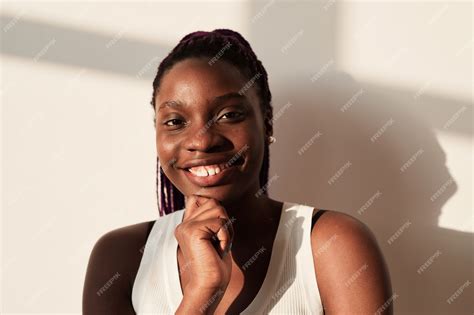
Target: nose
[[204, 138]]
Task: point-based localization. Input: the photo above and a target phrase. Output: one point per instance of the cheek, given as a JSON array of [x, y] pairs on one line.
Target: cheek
[[166, 150], [251, 139]]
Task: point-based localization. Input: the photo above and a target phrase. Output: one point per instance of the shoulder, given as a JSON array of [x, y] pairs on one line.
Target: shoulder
[[349, 265], [121, 247], [332, 224], [112, 267], [127, 236]]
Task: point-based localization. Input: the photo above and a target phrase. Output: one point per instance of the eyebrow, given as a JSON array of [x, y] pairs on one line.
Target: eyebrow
[[217, 99]]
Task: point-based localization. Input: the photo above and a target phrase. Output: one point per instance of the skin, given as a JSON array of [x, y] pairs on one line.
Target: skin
[[351, 273]]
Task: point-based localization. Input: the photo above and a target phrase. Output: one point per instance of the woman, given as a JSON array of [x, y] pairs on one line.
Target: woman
[[221, 244]]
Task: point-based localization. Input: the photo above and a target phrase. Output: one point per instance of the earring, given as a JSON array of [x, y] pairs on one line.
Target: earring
[[271, 139]]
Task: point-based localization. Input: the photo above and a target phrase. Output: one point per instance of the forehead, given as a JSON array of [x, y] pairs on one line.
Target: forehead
[[194, 80]]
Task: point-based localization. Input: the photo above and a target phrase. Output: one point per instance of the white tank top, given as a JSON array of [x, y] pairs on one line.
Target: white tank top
[[289, 287]]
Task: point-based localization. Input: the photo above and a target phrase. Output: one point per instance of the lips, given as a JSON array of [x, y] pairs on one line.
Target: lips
[[221, 162], [207, 173]]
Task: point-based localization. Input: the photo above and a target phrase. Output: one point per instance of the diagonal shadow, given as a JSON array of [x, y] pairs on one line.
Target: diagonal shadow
[[71, 47]]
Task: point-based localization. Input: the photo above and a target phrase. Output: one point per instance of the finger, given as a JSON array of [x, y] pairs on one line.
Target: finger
[[214, 209], [215, 231], [216, 214], [193, 202], [226, 228], [225, 235], [225, 240], [203, 211], [208, 229]]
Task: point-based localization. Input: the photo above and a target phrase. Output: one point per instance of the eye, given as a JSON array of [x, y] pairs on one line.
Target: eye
[[233, 115], [167, 123]]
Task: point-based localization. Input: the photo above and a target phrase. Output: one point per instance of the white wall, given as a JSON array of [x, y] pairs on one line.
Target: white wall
[[78, 147]]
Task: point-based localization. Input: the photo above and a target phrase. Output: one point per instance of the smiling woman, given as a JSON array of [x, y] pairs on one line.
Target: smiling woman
[[221, 244]]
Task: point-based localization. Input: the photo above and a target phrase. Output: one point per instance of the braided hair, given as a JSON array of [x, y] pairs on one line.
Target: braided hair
[[231, 47]]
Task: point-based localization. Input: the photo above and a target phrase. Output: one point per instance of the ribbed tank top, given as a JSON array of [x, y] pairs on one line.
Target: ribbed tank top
[[289, 287]]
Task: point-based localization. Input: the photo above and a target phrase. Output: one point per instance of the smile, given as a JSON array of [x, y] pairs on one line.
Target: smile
[[212, 175], [208, 170]]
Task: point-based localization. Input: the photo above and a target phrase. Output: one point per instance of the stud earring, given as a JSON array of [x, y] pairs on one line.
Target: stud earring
[[271, 139]]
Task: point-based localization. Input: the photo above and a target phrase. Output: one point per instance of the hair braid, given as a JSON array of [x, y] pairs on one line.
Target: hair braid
[[241, 55]]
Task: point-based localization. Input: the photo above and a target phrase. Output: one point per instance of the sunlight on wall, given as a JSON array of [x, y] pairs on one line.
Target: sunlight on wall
[[457, 213], [372, 44]]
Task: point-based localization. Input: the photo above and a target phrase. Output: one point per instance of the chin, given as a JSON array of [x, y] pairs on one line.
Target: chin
[[223, 193]]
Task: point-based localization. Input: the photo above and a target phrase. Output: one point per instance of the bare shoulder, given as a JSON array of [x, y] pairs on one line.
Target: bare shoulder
[[122, 247], [127, 236], [350, 268], [112, 268], [334, 224]]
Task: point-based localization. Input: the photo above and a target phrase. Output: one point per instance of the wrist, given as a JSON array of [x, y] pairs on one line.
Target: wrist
[[200, 301]]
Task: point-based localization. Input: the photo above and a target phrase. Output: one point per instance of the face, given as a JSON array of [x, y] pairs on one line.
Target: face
[[203, 122]]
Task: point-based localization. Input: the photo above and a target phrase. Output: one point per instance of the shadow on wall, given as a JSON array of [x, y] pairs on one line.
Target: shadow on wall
[[374, 159], [116, 53]]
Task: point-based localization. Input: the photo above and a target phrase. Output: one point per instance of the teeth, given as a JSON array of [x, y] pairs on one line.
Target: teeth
[[208, 170]]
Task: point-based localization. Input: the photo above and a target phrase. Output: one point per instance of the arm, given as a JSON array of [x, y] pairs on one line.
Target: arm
[[351, 272], [111, 271], [197, 301]]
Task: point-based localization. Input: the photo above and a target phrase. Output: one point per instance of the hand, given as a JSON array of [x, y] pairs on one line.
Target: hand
[[205, 237]]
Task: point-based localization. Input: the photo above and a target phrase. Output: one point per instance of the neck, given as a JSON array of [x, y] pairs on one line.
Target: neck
[[251, 214]]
